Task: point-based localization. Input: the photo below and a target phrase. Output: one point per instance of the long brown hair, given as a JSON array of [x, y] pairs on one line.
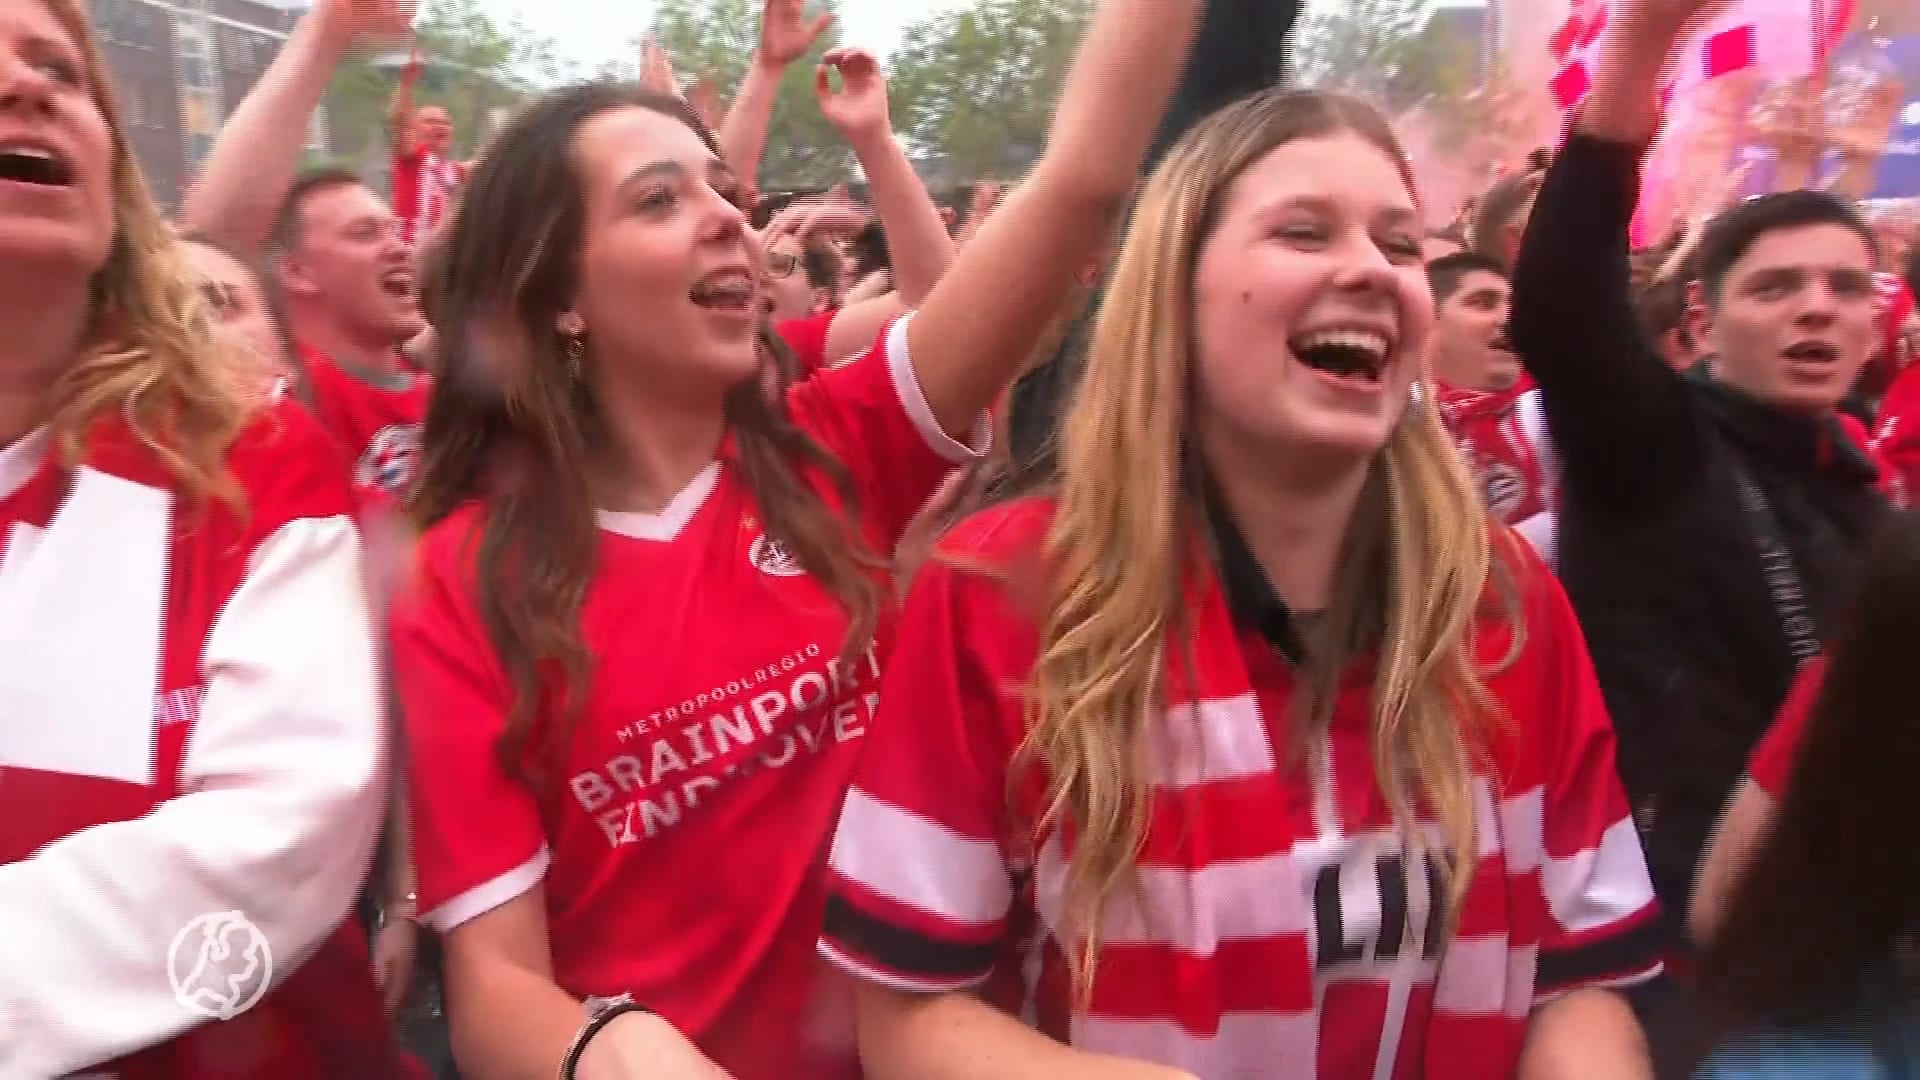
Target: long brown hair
[[1129, 532], [509, 426], [150, 351], [1832, 897]]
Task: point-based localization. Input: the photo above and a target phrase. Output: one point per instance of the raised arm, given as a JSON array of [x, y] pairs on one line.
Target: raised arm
[[1240, 49], [400, 107], [1622, 420], [975, 329], [917, 238], [258, 151], [785, 36]]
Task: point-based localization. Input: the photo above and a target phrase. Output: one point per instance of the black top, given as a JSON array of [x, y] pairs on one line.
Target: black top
[[1655, 552]]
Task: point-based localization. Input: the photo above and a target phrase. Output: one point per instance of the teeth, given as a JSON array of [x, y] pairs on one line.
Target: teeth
[[1372, 344], [20, 150]]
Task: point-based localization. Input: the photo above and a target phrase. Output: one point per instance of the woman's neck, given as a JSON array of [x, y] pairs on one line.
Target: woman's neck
[[42, 338], [1295, 522], [655, 448]]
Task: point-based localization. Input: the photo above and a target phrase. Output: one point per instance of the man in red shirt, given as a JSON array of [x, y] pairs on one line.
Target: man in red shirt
[[425, 176], [1486, 398], [347, 282]]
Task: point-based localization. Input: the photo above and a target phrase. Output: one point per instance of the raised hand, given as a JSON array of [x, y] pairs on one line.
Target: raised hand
[[785, 32], [705, 101], [656, 69], [858, 108], [363, 22]]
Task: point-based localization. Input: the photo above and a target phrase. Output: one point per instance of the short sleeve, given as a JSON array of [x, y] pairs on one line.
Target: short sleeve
[[808, 339], [477, 835], [871, 414], [1771, 766], [919, 883], [1600, 927]]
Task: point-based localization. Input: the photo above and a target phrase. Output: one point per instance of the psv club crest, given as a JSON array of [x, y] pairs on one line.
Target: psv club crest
[[769, 557], [391, 460]]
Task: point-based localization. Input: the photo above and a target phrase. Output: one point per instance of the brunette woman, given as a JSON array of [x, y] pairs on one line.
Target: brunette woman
[[642, 653]]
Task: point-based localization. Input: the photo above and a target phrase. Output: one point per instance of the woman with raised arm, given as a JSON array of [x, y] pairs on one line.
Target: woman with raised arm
[[640, 655], [1247, 746], [191, 746]]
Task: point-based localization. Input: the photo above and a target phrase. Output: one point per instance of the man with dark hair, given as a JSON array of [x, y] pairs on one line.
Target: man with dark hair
[[1710, 523], [1488, 403], [346, 283], [1469, 349]]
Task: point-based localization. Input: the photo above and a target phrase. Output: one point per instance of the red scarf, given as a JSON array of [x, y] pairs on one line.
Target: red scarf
[[1486, 426]]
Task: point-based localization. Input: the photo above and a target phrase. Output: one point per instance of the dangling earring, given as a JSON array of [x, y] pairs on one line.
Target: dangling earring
[[576, 352]]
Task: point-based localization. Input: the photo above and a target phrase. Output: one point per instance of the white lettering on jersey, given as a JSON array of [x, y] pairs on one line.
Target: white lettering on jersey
[[638, 794]]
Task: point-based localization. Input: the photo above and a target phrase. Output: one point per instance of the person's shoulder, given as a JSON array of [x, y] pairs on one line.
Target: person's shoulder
[[1003, 534]]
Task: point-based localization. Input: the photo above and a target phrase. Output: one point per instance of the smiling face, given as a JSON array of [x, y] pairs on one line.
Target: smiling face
[[56, 149], [1470, 349], [1793, 321], [669, 275], [1312, 305]]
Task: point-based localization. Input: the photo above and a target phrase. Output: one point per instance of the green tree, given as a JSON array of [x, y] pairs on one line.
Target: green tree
[[716, 39], [1391, 52], [472, 67], [975, 88]]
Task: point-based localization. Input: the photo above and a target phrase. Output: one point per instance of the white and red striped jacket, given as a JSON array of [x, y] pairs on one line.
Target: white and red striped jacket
[[192, 731]]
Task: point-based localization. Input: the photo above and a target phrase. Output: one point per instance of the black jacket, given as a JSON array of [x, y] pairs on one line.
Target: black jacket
[[1655, 551]]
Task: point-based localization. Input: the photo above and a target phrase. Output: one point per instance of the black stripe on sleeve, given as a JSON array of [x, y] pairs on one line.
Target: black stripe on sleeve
[[1629, 952], [904, 951]]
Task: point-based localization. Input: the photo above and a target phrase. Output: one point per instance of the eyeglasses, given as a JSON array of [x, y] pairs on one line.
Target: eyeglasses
[[781, 265]]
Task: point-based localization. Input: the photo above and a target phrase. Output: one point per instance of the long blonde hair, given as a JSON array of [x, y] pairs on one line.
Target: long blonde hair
[[149, 351], [1128, 534]]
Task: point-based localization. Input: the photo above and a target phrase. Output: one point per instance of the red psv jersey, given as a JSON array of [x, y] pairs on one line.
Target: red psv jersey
[[1276, 918], [378, 427], [681, 856], [192, 761]]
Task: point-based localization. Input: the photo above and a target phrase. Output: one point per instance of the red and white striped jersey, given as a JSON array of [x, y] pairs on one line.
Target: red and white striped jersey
[[1276, 921], [424, 184]]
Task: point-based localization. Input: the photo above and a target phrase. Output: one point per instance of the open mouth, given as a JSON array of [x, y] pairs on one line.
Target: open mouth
[[25, 163], [1813, 352], [397, 284], [1353, 355], [1500, 344], [730, 291]]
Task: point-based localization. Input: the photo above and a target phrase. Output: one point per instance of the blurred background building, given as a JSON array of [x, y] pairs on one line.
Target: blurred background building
[[179, 69]]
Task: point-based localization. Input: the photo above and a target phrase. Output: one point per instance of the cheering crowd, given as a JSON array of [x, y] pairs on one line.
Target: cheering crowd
[[1184, 617]]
